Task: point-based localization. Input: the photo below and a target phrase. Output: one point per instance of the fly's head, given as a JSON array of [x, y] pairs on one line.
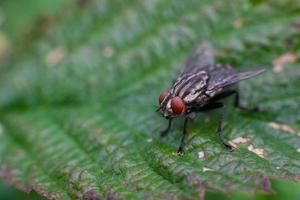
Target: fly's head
[[170, 106]]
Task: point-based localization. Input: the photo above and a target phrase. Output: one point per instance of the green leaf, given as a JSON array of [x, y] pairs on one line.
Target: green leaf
[[78, 105]]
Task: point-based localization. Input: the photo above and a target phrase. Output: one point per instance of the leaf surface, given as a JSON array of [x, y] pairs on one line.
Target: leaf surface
[[78, 105]]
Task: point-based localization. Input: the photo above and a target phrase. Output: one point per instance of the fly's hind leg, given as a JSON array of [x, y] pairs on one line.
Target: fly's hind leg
[[237, 103], [212, 106], [220, 127]]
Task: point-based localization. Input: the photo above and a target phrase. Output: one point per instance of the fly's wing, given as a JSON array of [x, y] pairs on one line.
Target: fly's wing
[[200, 57], [222, 76]]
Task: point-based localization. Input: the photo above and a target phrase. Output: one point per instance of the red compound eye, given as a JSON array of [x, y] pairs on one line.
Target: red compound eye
[[177, 105], [162, 96]]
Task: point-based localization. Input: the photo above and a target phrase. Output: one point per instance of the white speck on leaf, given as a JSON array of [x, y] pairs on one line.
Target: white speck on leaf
[[283, 127], [298, 150], [239, 140], [149, 140], [201, 154], [287, 128], [55, 56], [258, 151], [279, 62], [274, 125], [206, 169]]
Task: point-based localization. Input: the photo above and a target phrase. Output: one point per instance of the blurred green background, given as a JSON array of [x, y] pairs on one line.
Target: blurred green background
[[17, 15]]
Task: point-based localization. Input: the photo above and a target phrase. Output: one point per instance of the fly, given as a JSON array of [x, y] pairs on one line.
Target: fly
[[201, 86]]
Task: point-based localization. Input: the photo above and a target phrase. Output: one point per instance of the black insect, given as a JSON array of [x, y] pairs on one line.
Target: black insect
[[201, 86]]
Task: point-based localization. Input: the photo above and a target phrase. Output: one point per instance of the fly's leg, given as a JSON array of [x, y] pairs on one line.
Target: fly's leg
[[165, 132], [180, 149], [220, 127], [216, 105], [237, 103]]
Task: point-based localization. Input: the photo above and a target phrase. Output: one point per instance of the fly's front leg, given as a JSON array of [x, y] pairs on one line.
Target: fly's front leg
[[165, 132], [180, 149], [220, 127]]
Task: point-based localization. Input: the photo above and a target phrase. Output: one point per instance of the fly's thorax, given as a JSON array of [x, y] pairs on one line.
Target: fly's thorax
[[190, 87]]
